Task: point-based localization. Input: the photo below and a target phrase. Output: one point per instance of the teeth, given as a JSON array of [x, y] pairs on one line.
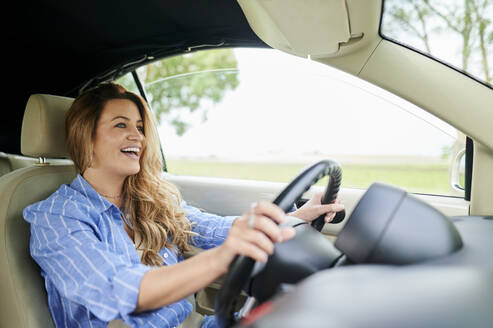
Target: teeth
[[131, 149]]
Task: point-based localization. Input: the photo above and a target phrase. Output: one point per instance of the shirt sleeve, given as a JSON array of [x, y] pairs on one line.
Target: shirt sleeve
[[212, 229], [81, 267]]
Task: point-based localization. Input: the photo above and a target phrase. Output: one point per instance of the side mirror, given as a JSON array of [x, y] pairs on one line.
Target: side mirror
[[457, 172]]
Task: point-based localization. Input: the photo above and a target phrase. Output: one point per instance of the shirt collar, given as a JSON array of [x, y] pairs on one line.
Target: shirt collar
[[82, 186]]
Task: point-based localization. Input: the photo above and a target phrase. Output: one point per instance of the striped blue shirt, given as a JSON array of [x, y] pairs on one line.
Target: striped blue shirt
[[91, 268]]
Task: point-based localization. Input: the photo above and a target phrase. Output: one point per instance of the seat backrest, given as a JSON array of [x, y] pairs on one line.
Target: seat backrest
[[23, 301]]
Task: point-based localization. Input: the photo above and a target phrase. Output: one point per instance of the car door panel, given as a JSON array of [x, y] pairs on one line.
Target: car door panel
[[224, 196]]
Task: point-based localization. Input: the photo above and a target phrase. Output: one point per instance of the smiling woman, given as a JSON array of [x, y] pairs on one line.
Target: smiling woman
[[107, 122], [110, 244]]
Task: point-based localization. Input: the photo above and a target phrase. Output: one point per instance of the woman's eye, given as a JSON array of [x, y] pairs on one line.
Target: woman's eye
[[140, 128], [121, 125]]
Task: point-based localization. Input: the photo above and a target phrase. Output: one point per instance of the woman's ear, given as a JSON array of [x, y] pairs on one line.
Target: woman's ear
[[91, 158]]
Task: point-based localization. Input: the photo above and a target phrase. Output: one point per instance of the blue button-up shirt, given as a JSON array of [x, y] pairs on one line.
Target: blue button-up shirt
[[91, 268]]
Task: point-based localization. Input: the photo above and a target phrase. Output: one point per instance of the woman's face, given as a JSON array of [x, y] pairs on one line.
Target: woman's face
[[119, 139]]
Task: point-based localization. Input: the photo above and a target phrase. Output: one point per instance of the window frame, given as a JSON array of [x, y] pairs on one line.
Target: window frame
[[143, 94]]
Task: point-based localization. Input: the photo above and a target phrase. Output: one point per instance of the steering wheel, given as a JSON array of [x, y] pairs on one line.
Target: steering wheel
[[241, 267], [329, 196]]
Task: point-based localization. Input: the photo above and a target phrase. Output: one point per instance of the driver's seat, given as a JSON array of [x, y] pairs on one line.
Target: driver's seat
[[23, 300]]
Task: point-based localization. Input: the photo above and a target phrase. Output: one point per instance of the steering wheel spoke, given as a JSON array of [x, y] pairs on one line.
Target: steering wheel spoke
[[249, 304]]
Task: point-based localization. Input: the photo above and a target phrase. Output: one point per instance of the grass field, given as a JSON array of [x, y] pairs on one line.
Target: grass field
[[421, 178]]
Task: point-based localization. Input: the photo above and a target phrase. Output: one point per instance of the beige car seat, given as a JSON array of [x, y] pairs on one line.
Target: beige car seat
[[5, 166], [23, 301]]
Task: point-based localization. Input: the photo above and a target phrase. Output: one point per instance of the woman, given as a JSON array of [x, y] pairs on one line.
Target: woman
[[110, 244]]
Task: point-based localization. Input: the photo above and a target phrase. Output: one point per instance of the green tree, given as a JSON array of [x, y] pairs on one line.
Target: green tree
[[471, 20], [188, 83]]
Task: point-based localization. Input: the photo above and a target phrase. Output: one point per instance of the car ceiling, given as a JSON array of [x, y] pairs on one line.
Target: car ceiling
[[57, 47]]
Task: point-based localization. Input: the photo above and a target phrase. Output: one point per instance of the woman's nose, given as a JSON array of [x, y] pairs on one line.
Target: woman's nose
[[136, 134]]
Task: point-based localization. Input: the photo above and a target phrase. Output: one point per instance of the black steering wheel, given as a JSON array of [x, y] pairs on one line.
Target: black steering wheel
[[242, 267]]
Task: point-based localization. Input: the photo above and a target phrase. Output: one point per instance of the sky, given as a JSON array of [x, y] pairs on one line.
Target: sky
[[291, 108]]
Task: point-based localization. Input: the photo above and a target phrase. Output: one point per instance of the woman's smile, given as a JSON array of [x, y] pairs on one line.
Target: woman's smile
[[131, 152]]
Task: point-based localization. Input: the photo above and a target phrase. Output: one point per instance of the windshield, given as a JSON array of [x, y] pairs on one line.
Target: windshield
[[456, 32]]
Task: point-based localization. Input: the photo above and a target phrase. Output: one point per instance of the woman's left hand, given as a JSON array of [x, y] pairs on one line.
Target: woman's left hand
[[314, 208]]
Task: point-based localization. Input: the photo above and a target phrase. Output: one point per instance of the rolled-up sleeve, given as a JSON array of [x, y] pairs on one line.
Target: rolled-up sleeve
[[211, 229], [82, 268]]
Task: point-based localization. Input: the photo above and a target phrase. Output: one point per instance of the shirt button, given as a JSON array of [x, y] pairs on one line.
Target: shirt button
[[166, 256]]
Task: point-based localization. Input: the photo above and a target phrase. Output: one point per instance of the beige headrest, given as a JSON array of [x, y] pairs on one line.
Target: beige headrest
[[43, 126]]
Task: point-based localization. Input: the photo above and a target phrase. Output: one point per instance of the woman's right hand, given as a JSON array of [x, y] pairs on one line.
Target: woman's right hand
[[257, 241], [167, 284]]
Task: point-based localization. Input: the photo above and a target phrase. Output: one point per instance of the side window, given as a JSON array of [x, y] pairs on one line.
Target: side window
[[128, 82], [264, 115]]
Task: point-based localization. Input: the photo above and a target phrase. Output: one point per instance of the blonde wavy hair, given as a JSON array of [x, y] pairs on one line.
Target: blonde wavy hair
[[152, 205]]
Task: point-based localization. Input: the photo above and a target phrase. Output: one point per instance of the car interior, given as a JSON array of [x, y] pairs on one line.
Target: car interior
[[397, 258]]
